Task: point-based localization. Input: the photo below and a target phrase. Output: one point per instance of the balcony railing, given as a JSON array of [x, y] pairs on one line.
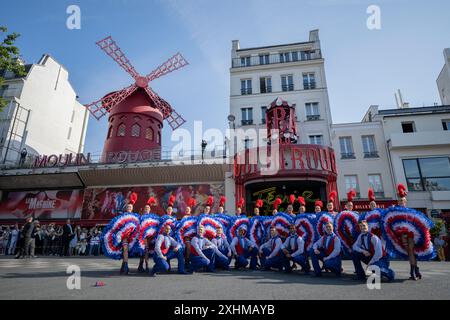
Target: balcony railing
[[309, 85], [266, 89], [245, 91], [287, 87], [258, 60], [313, 117], [371, 154], [349, 155], [246, 122]]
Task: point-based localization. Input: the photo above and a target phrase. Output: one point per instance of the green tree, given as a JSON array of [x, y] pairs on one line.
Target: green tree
[[9, 58]]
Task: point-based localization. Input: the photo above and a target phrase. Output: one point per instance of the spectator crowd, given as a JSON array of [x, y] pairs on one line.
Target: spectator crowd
[[34, 239]]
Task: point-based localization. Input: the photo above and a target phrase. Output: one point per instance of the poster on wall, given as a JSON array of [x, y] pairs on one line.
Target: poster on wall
[[42, 204], [106, 203]]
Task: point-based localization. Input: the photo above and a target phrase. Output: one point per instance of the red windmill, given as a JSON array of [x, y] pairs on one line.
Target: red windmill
[[135, 112]]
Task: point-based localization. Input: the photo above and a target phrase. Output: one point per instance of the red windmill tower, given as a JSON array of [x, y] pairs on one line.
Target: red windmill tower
[[136, 112]]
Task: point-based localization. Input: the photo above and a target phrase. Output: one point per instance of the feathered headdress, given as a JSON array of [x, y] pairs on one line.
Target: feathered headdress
[[133, 197], [210, 201], [222, 201], [401, 190], [191, 202], [371, 194], [151, 201], [332, 196], [171, 200], [292, 199], [259, 203], [276, 203], [350, 195], [240, 203], [302, 201], [318, 203]]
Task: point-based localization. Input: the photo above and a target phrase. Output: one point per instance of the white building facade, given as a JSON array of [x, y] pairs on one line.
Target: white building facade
[[443, 80], [43, 115]]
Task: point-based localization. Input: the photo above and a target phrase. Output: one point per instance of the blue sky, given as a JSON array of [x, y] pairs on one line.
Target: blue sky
[[363, 67]]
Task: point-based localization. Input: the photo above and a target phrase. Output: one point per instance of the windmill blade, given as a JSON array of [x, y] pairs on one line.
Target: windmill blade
[[110, 47], [102, 106], [172, 64], [172, 117]]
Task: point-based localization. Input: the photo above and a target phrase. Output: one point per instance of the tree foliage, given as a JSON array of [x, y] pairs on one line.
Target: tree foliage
[[9, 57]]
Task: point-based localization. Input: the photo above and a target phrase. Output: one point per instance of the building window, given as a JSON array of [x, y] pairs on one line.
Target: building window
[[295, 56], [309, 81], [287, 82], [430, 174], [316, 139], [263, 114], [246, 86], [369, 147], [149, 134], [312, 111], [70, 133], [121, 130], [285, 57], [408, 127], [376, 184], [245, 61], [346, 148], [247, 116], [351, 183], [305, 55], [135, 130], [265, 84], [446, 125], [110, 132], [158, 138], [3, 89], [264, 59], [72, 117]]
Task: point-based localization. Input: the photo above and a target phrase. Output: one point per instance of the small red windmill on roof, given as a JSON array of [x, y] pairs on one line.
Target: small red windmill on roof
[[135, 112]]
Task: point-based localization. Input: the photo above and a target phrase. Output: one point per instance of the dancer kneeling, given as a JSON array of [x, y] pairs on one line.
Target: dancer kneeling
[[328, 250], [223, 251], [294, 250], [369, 249], [270, 252], [166, 249], [202, 252], [243, 249]]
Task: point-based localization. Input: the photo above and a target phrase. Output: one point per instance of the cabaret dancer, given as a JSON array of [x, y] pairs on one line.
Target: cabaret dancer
[[149, 244], [350, 195], [290, 207], [239, 207], [259, 203], [408, 237], [203, 252], [318, 206], [371, 196], [126, 240], [302, 202], [243, 249], [294, 250], [190, 205], [169, 210], [166, 249], [221, 208], [270, 252], [330, 205], [368, 248], [209, 205], [328, 250], [223, 251], [276, 203]]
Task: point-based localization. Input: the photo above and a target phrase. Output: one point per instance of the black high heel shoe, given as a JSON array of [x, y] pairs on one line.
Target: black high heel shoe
[[417, 272], [411, 273]]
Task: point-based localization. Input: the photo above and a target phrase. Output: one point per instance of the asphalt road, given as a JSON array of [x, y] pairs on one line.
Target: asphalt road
[[46, 278]]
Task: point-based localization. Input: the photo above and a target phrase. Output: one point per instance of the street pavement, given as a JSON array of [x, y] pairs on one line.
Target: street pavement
[[46, 278]]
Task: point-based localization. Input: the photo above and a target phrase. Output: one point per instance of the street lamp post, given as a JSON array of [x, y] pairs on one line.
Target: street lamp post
[[204, 144]]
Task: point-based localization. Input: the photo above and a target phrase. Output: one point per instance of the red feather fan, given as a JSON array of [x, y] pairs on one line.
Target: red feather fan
[[151, 201], [292, 199], [240, 203]]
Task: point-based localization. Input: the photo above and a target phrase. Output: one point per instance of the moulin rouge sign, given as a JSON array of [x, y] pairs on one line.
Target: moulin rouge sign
[[61, 160]]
